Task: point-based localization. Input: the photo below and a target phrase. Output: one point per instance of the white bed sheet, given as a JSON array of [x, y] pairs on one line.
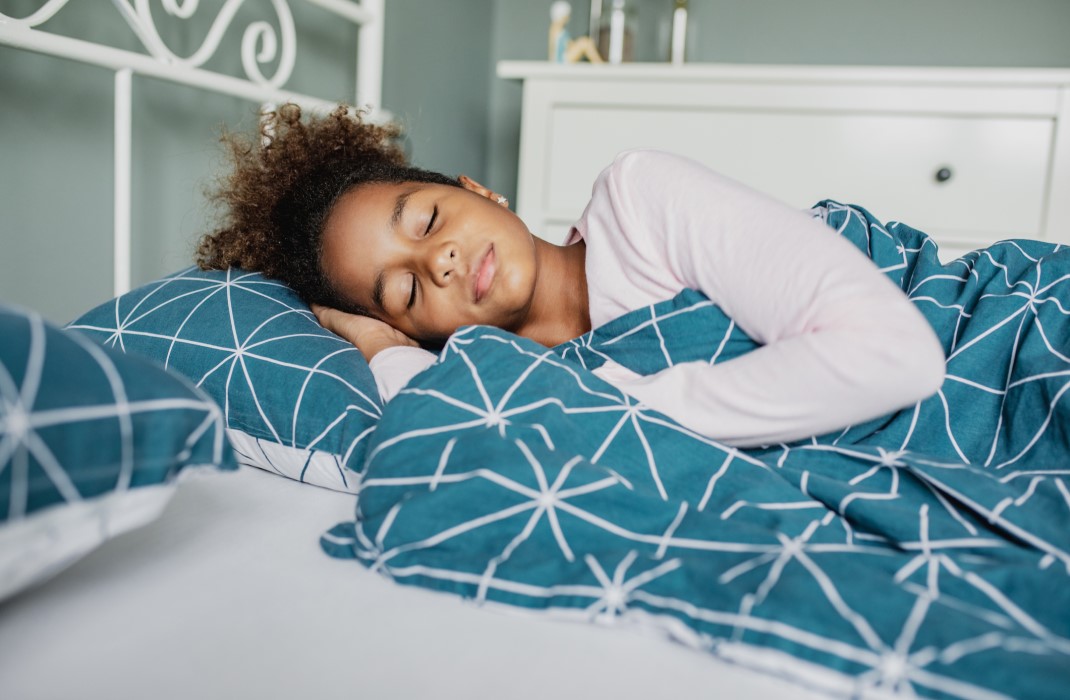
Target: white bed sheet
[[228, 595]]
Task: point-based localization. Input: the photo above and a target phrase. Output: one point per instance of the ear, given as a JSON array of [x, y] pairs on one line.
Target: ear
[[473, 186]]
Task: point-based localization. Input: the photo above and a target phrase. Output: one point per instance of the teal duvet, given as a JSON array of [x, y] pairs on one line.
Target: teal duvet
[[926, 552]]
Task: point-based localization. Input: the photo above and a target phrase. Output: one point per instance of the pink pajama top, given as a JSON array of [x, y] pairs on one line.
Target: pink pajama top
[[840, 342]]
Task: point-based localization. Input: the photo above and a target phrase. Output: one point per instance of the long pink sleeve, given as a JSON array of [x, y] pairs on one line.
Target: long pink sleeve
[[841, 343], [394, 367]]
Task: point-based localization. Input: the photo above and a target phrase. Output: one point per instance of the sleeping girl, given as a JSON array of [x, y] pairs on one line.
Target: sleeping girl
[[396, 258]]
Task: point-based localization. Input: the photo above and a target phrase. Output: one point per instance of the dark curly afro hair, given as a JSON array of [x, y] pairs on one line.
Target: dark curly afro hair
[[283, 185]]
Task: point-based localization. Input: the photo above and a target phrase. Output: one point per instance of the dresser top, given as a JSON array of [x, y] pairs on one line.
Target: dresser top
[[733, 72]]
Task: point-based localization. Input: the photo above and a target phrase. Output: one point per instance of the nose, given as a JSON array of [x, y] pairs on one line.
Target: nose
[[443, 263]]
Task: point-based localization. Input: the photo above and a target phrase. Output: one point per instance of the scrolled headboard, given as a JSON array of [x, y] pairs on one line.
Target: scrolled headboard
[[268, 48]]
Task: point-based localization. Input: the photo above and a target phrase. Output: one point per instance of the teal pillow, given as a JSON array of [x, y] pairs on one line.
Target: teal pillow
[[91, 444], [298, 400]]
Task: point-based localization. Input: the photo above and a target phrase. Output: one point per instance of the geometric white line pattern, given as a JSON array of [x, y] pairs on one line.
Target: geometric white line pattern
[[86, 438], [298, 400], [924, 553]]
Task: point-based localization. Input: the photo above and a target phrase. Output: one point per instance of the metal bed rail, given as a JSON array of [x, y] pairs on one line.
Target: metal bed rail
[[261, 43]]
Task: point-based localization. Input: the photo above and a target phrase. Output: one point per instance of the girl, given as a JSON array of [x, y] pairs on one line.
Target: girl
[[393, 258]]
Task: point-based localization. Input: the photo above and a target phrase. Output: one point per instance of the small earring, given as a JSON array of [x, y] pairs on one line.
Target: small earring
[[503, 201]]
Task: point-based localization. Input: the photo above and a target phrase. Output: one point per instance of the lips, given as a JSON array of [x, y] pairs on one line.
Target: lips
[[484, 277]]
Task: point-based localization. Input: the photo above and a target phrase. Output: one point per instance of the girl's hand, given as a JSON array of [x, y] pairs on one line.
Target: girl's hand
[[368, 334]]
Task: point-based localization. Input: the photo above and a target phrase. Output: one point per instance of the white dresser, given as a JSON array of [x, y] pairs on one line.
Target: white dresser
[[968, 155]]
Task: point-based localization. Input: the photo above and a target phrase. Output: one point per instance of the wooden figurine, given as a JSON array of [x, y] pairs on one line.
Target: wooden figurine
[[563, 48]]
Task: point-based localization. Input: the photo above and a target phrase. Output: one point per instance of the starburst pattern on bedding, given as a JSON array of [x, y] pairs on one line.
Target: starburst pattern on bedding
[[77, 422], [299, 400]]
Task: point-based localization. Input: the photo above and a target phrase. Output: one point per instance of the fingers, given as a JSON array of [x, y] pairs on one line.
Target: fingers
[[329, 313], [322, 313], [370, 335], [335, 321]]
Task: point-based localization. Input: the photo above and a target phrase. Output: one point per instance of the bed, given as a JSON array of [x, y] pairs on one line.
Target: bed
[[183, 458], [227, 595], [219, 587]]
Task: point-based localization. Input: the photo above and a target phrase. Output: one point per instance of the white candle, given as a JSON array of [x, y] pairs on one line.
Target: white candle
[[679, 34], [616, 32]]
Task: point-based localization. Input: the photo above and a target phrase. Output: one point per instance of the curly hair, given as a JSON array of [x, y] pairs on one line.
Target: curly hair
[[283, 186]]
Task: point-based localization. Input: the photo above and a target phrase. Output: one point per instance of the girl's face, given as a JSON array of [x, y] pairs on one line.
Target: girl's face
[[429, 258]]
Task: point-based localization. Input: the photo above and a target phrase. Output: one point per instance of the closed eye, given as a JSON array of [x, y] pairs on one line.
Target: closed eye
[[434, 215], [430, 225]]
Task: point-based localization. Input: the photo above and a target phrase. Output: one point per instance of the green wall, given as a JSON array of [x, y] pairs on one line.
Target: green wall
[[56, 116], [437, 75]]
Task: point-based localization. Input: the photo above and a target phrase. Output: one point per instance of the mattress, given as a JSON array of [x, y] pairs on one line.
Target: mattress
[[229, 595]]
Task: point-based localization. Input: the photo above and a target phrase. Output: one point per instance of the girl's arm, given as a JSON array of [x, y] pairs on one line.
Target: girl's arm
[[392, 356], [394, 367], [841, 343]]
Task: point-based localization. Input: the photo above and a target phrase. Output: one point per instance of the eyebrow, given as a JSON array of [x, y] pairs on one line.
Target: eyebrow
[[395, 219], [399, 208]]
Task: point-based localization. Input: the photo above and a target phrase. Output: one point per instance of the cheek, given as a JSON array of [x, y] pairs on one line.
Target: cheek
[[440, 317], [519, 278], [348, 283]]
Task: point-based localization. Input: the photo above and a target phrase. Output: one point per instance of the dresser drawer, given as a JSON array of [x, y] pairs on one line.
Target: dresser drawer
[[992, 187]]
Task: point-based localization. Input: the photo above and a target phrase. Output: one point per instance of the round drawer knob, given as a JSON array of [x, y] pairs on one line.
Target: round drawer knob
[[943, 174]]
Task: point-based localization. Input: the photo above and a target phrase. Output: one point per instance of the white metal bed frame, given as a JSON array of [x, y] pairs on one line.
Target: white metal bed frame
[[261, 43]]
